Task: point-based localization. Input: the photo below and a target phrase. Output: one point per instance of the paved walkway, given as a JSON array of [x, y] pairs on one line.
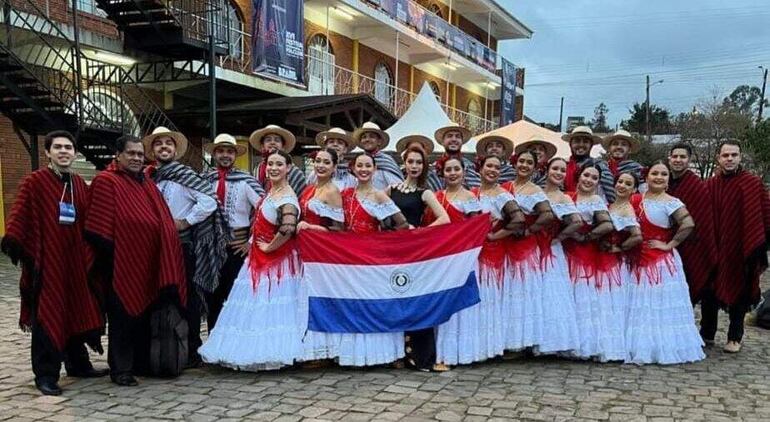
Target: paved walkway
[[721, 388]]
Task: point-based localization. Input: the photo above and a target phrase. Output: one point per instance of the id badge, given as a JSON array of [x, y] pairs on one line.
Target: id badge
[[66, 213]]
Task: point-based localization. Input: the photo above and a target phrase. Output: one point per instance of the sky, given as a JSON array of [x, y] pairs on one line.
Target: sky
[[592, 51]]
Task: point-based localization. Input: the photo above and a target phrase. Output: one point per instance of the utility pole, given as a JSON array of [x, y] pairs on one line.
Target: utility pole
[[212, 75], [762, 97], [561, 113], [647, 112]]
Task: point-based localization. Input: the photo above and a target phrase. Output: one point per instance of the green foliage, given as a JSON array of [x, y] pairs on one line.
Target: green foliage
[[660, 120], [756, 143]]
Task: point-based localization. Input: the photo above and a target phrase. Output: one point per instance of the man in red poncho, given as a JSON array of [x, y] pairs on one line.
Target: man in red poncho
[[699, 253], [44, 234], [741, 207], [139, 255]]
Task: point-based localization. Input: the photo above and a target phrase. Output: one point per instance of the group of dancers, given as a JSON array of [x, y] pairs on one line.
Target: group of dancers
[[579, 262]]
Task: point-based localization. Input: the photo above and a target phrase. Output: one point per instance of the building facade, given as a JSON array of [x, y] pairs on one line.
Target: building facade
[[135, 64]]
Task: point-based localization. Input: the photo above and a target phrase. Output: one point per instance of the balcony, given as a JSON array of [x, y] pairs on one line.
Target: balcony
[[417, 36], [324, 77]]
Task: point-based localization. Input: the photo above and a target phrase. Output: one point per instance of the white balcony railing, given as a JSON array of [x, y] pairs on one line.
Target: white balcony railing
[[324, 77]]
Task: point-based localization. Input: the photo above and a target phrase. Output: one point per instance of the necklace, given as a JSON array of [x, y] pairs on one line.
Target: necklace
[[405, 187], [485, 192], [275, 191]]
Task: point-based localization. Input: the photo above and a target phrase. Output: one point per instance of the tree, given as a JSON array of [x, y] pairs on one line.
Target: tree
[[744, 99], [660, 121], [756, 142], [599, 123], [710, 123]]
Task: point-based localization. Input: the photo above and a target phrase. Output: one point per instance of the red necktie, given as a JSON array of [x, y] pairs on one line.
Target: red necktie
[[222, 184]]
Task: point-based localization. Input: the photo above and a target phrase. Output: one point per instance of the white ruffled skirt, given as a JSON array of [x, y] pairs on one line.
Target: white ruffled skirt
[[600, 315], [474, 334], [560, 330], [522, 305], [661, 325], [262, 329]]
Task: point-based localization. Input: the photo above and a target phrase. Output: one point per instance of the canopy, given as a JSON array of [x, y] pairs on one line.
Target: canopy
[[522, 131], [423, 117]]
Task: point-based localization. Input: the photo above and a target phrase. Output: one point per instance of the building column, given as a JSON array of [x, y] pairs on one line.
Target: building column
[[355, 67]]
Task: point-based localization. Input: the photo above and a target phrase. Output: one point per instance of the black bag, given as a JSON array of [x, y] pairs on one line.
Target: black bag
[[763, 311], [168, 341]]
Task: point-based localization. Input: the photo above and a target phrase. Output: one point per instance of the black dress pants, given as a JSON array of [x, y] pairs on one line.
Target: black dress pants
[[227, 276], [47, 360], [192, 312], [421, 348], [129, 339], [709, 318]]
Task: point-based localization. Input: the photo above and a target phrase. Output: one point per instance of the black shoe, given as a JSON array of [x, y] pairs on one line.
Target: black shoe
[[194, 361], [125, 380], [88, 373], [48, 387]]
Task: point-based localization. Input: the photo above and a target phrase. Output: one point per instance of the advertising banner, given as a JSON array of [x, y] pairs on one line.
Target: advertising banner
[[508, 93], [278, 34]]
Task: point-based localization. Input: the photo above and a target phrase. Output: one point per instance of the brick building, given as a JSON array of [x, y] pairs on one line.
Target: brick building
[[143, 63]]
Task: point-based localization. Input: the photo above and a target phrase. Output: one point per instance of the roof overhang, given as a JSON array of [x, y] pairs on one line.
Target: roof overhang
[[504, 26]]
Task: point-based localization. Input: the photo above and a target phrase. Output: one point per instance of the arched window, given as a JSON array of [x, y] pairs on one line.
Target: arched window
[[475, 118], [436, 90], [320, 73], [383, 85], [229, 26], [435, 8]]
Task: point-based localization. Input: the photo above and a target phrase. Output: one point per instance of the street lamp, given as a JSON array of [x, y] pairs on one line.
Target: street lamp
[[647, 108], [762, 97]]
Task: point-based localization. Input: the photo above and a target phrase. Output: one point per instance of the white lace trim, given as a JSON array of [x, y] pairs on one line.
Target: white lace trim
[[528, 202], [380, 211], [563, 209], [622, 222], [471, 205], [325, 210], [495, 204]]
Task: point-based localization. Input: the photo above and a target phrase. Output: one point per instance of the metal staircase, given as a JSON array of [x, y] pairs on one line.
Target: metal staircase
[[179, 27], [46, 85]]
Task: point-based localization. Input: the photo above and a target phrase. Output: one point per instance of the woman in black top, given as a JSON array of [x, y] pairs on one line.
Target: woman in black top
[[412, 197]]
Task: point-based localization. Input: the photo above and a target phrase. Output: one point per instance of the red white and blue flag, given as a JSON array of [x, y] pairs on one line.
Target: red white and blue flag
[[391, 281]]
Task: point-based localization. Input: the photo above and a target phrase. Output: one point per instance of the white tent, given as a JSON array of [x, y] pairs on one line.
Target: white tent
[[522, 131], [423, 117]]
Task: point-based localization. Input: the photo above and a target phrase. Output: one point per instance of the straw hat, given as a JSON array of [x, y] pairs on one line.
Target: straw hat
[[224, 139], [481, 145], [550, 149], [371, 127], [581, 131], [179, 139], [288, 138], [622, 134], [425, 142], [439, 135], [335, 133]]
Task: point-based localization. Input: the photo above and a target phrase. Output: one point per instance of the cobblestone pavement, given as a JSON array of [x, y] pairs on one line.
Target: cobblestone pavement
[[723, 387]]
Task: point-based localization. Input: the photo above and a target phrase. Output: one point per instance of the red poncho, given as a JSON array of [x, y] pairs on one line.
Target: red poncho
[[699, 251], [130, 215], [55, 259], [741, 209]]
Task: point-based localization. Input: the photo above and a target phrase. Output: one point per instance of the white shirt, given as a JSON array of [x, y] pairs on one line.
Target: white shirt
[[185, 203], [382, 179], [240, 199]]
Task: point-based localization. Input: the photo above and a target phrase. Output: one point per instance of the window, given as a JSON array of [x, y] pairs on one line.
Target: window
[[237, 35], [475, 119], [228, 27], [320, 70], [90, 7], [383, 85], [436, 90], [435, 8]]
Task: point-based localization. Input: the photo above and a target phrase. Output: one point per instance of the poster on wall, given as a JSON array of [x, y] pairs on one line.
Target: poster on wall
[[278, 31], [508, 93]]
